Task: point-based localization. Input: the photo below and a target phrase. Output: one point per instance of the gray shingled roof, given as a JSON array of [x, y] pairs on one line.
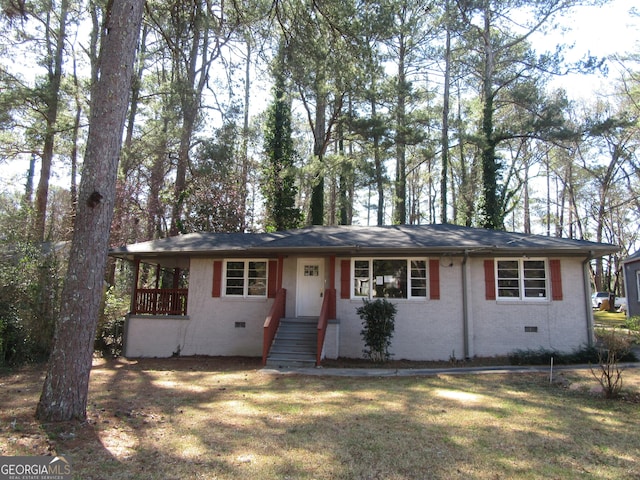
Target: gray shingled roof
[[632, 258], [359, 240]]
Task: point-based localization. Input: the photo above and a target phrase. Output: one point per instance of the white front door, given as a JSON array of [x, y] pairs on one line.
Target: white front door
[[310, 287]]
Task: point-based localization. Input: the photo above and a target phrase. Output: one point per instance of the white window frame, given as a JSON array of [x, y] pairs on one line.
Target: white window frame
[[637, 285], [369, 287], [522, 281], [245, 277]]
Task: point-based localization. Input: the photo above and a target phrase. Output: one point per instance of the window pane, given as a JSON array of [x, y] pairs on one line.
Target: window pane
[[508, 269], [235, 278], [311, 270], [534, 269], [257, 287], [361, 278], [509, 288], [508, 279], [257, 279], [535, 284], [258, 270], [390, 277], [418, 278], [235, 269]]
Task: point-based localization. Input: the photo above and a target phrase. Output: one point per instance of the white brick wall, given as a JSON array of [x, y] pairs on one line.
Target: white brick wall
[[424, 329]]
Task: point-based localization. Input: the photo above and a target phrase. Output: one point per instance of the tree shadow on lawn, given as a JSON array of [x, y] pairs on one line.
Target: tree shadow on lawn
[[225, 418]]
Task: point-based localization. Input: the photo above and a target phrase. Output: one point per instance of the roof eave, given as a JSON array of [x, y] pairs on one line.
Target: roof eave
[[472, 251]]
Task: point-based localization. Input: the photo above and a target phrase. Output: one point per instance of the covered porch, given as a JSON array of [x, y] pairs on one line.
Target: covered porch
[[167, 295]]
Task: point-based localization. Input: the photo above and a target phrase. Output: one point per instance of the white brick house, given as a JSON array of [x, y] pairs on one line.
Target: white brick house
[[459, 291]]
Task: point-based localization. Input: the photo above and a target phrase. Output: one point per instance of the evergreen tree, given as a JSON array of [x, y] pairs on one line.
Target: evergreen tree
[[279, 187]]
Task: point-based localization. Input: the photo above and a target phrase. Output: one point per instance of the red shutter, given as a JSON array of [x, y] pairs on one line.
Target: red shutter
[[272, 281], [217, 278], [489, 280], [434, 279], [345, 279], [556, 279]]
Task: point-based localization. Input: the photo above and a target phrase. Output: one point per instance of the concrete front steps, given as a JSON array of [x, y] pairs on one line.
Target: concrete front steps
[[294, 344]]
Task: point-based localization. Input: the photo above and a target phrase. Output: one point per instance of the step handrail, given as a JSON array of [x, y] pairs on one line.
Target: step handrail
[[272, 322], [327, 312]]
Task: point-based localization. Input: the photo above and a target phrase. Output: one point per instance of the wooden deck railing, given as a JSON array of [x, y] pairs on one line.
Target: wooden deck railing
[[327, 312], [272, 322], [160, 301]]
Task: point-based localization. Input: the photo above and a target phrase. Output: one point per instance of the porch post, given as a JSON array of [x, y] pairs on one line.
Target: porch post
[[280, 270], [332, 286], [332, 272], [157, 276], [176, 278], [136, 278]]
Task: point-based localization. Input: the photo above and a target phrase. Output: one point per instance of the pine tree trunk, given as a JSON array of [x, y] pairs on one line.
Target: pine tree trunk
[[445, 121], [65, 391], [400, 214], [317, 192], [55, 41]]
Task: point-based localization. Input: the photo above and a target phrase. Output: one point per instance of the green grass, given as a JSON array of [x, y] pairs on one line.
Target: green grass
[[201, 418], [610, 319]]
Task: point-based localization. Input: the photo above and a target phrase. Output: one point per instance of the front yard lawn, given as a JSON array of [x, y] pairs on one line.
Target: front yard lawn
[[211, 418], [609, 319]]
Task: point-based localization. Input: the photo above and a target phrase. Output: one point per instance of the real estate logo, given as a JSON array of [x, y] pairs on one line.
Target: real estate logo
[[35, 468]]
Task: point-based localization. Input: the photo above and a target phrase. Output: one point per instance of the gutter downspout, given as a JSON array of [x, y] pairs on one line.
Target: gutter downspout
[[587, 296], [465, 306]]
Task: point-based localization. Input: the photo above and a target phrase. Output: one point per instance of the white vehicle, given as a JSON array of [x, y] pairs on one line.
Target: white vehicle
[[598, 297], [620, 303]]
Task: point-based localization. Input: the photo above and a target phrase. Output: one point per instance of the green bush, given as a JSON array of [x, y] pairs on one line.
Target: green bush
[[30, 284], [378, 321], [633, 323], [109, 338], [110, 333], [12, 336]]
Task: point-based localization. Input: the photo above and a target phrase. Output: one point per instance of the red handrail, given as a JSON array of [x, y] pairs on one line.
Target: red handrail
[[272, 322], [327, 311], [160, 301]]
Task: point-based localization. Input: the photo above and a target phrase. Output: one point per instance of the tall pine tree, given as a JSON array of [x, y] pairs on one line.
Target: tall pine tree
[[278, 186]]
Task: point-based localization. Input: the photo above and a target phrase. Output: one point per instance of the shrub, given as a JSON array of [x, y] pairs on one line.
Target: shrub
[[110, 332], [542, 356], [633, 323], [109, 338], [13, 338], [608, 372], [378, 320], [30, 276]]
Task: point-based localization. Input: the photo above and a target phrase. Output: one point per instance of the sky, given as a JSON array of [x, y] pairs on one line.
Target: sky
[[599, 31]]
